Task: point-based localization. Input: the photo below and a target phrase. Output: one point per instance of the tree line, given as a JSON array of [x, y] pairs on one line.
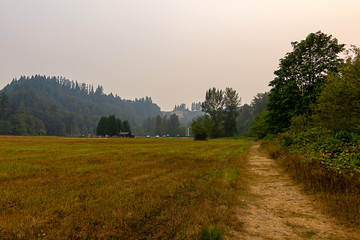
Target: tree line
[[56, 106], [196, 106], [313, 87], [163, 125]]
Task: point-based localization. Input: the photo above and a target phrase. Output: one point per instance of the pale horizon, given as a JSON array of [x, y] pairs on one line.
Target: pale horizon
[[171, 51]]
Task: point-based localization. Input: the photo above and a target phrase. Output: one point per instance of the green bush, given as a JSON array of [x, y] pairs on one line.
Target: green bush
[[201, 127], [214, 233], [338, 152]]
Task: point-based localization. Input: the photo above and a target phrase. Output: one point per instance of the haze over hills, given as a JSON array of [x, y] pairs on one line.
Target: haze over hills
[[185, 114], [56, 106], [41, 105]]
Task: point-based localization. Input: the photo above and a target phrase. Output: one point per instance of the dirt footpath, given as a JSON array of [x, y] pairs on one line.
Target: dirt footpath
[[277, 209]]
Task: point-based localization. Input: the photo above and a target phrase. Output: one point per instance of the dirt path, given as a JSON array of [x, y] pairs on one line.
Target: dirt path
[[277, 209]]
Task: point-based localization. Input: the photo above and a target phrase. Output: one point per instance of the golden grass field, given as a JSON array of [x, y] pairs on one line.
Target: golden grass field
[[62, 188]]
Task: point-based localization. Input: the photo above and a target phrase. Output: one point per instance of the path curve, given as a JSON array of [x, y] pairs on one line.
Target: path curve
[[277, 209]]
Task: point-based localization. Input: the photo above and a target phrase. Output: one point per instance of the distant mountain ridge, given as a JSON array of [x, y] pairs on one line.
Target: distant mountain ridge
[[41, 105]]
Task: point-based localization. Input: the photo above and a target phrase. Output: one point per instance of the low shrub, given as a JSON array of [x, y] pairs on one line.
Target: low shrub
[[338, 152], [327, 164], [213, 233]]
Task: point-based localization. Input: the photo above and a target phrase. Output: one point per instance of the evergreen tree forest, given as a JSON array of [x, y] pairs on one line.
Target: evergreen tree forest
[[112, 126], [56, 106]]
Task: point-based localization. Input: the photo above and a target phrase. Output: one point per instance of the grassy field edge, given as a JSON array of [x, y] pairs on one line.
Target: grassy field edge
[[337, 194]]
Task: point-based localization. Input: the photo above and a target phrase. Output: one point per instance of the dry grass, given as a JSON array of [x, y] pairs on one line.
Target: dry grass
[[338, 194], [55, 188]]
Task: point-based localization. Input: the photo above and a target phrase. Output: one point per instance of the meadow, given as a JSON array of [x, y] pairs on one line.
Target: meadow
[[67, 188]]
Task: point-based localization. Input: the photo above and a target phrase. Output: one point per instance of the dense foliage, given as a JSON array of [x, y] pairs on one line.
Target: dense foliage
[[201, 127], [40, 105], [249, 112], [322, 121], [336, 151], [330, 137], [339, 102], [300, 77]]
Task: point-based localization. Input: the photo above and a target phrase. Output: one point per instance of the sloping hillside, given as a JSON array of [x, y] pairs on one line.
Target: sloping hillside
[[41, 105]]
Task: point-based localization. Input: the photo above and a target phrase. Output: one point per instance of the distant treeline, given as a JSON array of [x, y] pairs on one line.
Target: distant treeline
[[248, 112], [56, 106], [195, 106], [41, 105], [163, 126]]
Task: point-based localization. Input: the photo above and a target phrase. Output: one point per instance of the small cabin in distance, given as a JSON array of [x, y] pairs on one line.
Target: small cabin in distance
[[126, 135]]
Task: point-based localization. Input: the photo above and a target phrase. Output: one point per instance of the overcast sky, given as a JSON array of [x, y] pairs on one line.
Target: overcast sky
[[170, 50]]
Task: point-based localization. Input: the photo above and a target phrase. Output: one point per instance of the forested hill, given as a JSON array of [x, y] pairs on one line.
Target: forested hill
[[41, 105]]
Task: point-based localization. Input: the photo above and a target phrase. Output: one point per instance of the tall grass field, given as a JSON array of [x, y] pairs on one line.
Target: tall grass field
[[62, 188]]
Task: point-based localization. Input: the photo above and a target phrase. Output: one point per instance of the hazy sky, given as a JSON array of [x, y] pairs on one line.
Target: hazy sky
[[171, 50]]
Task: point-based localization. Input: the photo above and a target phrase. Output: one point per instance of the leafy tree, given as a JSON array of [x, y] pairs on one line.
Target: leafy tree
[[339, 102], [222, 107], [231, 104], [260, 127], [213, 105], [259, 103], [245, 119], [300, 77], [201, 127], [247, 113]]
